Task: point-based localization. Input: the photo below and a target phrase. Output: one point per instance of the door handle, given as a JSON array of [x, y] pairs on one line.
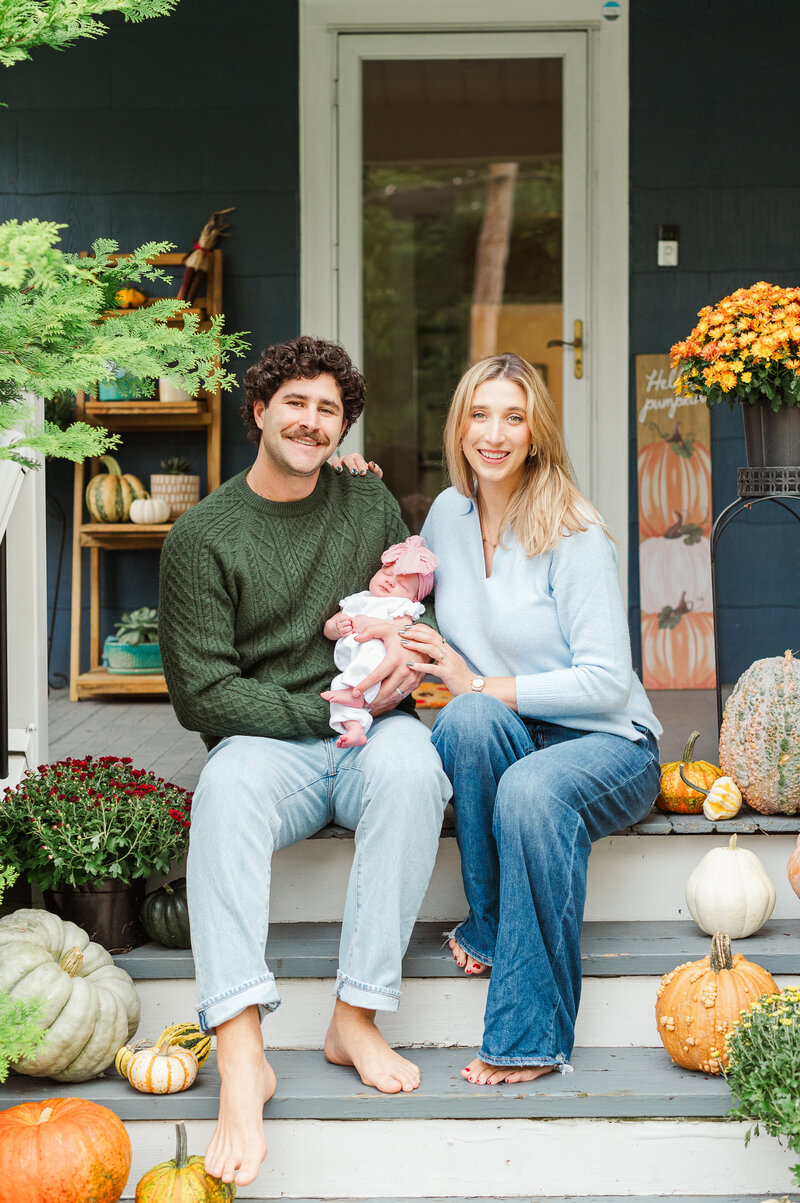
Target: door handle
[[577, 344]]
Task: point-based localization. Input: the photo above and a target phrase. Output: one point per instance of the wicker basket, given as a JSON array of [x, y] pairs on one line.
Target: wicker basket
[[141, 658]]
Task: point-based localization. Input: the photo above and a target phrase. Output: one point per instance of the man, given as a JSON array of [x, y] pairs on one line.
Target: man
[[248, 579]]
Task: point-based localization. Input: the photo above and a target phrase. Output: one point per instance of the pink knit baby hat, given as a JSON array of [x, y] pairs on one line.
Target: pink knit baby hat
[[413, 556]]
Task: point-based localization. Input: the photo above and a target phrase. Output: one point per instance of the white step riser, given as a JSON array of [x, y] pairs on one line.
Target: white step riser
[[543, 1158], [630, 877], [615, 1012]]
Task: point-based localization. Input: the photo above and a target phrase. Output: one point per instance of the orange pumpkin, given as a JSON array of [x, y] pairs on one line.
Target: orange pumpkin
[[184, 1179], [678, 649], [677, 795], [793, 868], [674, 474], [62, 1149], [699, 1002]]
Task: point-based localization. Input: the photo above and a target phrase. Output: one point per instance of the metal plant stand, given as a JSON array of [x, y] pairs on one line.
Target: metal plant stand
[[780, 485]]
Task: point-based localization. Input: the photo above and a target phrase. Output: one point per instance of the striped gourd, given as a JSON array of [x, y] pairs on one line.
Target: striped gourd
[[759, 742], [188, 1035], [166, 1069], [126, 1055], [109, 494]]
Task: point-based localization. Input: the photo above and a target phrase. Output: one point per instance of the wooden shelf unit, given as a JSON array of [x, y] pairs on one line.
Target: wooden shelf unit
[[203, 412]]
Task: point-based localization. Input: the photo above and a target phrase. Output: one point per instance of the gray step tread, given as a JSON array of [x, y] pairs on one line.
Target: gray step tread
[[536, 1199], [630, 948], [606, 1082], [657, 822]]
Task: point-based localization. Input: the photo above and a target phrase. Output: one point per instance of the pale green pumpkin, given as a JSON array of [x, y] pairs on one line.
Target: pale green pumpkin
[[759, 742], [91, 1006]]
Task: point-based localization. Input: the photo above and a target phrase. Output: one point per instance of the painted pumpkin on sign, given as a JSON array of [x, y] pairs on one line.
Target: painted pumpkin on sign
[[678, 646], [674, 474]]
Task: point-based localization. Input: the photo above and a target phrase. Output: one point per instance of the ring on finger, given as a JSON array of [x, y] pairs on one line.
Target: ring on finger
[[401, 692]]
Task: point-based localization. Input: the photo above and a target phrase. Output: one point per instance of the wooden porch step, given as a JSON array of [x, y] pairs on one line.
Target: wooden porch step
[[633, 948], [759, 1198], [619, 1083]]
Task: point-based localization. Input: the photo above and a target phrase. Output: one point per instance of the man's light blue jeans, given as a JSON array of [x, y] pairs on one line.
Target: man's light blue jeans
[[530, 798], [258, 795]]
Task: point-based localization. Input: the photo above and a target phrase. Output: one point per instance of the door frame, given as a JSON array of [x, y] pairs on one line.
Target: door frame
[[606, 319]]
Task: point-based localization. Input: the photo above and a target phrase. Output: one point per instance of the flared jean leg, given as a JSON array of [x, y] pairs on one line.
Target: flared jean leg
[[478, 739]]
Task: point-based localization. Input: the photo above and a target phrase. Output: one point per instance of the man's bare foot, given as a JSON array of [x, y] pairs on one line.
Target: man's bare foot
[[345, 697], [237, 1146], [353, 1039], [464, 960], [354, 736], [490, 1075]]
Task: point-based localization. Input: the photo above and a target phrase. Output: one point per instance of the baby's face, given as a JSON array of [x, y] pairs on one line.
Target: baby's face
[[388, 583]]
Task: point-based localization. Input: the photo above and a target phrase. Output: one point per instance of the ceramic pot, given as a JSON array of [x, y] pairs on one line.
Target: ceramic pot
[[772, 439], [167, 391], [106, 908], [182, 492]]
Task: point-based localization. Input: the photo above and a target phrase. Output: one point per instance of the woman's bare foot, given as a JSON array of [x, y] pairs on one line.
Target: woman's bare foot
[[237, 1147], [353, 1039], [464, 960], [490, 1075]]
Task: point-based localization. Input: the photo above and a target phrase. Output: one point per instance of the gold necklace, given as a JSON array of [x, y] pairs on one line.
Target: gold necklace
[[484, 538]]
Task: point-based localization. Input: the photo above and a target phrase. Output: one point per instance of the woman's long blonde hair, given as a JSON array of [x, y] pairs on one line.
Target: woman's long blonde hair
[[547, 503]]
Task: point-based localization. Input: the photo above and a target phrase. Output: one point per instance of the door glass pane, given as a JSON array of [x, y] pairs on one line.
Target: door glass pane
[[462, 244]]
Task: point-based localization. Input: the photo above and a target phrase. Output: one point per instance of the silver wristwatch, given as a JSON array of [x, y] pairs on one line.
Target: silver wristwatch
[[478, 684]]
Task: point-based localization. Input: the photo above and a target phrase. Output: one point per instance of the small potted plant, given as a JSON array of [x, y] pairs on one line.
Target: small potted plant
[[762, 1068], [177, 484], [89, 832], [134, 648], [747, 349], [121, 386]]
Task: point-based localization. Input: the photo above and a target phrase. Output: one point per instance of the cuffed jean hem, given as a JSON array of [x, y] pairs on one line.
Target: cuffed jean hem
[[559, 1062], [359, 994], [262, 993], [476, 956]]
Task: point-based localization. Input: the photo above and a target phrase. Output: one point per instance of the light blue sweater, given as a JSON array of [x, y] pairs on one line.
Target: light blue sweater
[[555, 621]]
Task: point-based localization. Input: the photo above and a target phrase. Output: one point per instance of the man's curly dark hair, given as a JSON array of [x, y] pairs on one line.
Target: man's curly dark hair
[[303, 358]]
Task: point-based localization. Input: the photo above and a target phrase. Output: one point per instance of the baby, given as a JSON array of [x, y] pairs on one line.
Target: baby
[[394, 594]]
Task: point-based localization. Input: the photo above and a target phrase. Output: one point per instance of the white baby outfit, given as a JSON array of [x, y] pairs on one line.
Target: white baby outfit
[[357, 660]]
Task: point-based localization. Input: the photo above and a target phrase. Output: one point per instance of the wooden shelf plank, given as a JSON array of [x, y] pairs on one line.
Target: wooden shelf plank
[[144, 406], [121, 536], [98, 682]]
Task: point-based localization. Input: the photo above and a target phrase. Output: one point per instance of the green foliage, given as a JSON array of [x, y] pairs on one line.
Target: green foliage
[[53, 338], [176, 465], [76, 820], [763, 1069], [140, 626], [26, 24], [8, 875], [20, 1030]]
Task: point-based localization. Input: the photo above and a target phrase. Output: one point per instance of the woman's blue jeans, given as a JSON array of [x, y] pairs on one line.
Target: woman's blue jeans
[[530, 798]]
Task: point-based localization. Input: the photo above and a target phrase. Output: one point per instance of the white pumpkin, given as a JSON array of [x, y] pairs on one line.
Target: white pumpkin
[[670, 567], [91, 1006], [163, 1069], [150, 509], [729, 891]]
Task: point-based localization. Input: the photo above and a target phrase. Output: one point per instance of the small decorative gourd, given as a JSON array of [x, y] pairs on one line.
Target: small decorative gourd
[[729, 891], [183, 1180], [109, 494], [188, 1035], [62, 1150], [162, 1069], [149, 509], [676, 796], [126, 1054], [722, 801], [699, 1002], [793, 868], [165, 915], [759, 741], [130, 298]]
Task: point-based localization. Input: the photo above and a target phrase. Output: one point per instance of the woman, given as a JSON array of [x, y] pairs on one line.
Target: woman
[[550, 742]]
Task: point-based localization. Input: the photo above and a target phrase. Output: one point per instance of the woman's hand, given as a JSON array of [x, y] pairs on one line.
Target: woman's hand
[[452, 670], [395, 678], [355, 464]]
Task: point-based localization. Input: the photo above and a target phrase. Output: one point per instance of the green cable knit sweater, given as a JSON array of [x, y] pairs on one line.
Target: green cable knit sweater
[[246, 585]]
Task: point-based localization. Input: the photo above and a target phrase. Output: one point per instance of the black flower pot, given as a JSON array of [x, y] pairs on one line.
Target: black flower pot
[[107, 909], [771, 438]]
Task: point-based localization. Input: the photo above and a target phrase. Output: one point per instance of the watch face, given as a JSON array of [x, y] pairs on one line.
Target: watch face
[[477, 684]]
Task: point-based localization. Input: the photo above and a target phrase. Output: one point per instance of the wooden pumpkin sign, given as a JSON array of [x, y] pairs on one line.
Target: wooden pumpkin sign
[[62, 1149]]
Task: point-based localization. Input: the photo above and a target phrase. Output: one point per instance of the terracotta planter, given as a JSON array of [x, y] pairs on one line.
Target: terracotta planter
[[182, 492], [772, 439], [106, 908]]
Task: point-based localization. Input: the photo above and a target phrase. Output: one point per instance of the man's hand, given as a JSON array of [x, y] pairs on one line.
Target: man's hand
[[395, 678]]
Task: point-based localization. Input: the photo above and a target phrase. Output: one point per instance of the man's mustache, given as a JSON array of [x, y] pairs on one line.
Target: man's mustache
[[312, 435]]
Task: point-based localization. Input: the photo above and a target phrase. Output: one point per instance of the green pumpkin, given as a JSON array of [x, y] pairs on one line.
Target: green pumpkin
[[759, 741], [188, 1035], [184, 1178], [165, 915], [91, 1006], [110, 493]]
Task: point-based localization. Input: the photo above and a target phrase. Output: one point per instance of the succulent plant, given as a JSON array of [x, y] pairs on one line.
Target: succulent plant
[[176, 465], [140, 626]]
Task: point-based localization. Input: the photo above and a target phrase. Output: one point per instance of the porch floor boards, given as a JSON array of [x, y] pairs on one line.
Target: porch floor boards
[[148, 730]]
